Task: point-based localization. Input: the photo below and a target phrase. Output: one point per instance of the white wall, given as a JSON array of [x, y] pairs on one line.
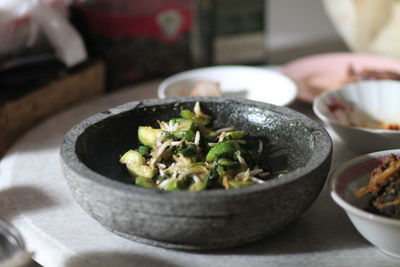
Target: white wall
[[297, 28]]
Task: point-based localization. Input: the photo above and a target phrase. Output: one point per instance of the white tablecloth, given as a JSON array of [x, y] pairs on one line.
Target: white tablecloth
[[35, 198]]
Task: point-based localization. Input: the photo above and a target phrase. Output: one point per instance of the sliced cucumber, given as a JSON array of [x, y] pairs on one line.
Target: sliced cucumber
[[238, 184], [184, 124], [145, 182], [140, 170], [199, 185], [132, 156], [148, 135], [171, 185]]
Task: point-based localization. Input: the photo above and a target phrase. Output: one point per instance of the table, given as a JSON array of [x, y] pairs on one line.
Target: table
[[36, 199]]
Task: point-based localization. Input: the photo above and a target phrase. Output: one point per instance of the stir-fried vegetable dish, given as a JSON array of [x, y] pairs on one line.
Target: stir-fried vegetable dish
[[185, 153]]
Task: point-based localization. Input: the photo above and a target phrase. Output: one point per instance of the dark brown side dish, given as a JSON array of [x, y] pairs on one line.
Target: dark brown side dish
[[384, 188]]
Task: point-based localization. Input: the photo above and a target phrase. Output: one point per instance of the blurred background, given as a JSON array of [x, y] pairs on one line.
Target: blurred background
[[54, 53]]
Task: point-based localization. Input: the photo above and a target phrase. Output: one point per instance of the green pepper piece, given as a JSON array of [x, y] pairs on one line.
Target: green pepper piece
[[144, 151], [223, 149], [187, 114], [201, 121], [234, 135], [197, 164], [190, 150], [229, 164], [187, 135], [206, 132], [225, 162], [145, 182]]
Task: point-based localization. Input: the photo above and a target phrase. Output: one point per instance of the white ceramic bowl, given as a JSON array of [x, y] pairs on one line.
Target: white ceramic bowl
[[253, 83], [355, 111], [381, 231]]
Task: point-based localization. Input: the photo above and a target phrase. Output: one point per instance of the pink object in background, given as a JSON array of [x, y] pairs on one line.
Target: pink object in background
[[318, 73]]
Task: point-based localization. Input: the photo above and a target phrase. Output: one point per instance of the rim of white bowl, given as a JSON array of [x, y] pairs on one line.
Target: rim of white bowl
[[333, 181], [328, 120], [169, 80]]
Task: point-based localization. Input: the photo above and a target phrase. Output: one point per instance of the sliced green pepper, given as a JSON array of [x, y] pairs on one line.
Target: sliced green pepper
[[190, 150], [144, 151], [187, 135], [187, 114], [223, 149]]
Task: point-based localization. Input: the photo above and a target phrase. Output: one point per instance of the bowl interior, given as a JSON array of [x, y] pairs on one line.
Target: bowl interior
[[235, 81], [288, 138], [370, 104]]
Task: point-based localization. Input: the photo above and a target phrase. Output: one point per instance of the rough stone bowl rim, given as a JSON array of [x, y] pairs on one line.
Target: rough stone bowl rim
[[322, 140]]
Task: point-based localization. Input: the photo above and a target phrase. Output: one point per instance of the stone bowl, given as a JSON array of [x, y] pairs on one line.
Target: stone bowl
[[212, 219]]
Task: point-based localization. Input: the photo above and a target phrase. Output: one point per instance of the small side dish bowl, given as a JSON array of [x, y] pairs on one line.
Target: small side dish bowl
[[381, 231], [366, 115], [210, 219], [253, 83]]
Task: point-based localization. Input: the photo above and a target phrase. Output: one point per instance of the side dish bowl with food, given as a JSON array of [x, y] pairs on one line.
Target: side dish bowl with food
[[361, 112], [367, 188], [162, 172], [254, 83]]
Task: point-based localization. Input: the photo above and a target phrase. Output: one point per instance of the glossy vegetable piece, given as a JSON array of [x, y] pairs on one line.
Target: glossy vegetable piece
[[140, 170], [184, 124], [145, 182], [187, 135], [144, 151], [234, 135], [148, 135], [228, 164], [171, 184], [190, 150], [200, 184], [189, 115], [224, 149], [132, 156]]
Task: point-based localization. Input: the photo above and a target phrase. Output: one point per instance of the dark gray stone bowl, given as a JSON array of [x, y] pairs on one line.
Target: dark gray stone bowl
[[196, 220]]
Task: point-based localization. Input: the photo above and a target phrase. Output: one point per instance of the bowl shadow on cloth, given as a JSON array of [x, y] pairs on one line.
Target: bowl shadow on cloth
[[18, 199], [115, 259], [323, 228]]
